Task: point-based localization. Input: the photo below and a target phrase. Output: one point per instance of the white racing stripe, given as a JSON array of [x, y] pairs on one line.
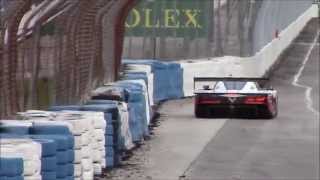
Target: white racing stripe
[[295, 81]]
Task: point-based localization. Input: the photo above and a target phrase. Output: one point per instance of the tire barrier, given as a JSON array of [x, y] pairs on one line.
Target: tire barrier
[[125, 137], [167, 80], [111, 93], [137, 102], [141, 70], [99, 133], [110, 118]]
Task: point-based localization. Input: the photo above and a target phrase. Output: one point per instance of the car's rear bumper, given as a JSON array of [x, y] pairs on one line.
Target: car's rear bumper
[[242, 110]]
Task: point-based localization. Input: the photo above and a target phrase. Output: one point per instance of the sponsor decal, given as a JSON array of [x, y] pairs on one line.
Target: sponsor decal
[[176, 18]]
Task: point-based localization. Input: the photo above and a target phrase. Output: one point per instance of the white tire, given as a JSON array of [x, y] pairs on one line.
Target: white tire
[[77, 155], [78, 142], [85, 139], [35, 177], [77, 170], [87, 165], [97, 169], [31, 167], [86, 152], [99, 134], [103, 163], [88, 175], [97, 156]]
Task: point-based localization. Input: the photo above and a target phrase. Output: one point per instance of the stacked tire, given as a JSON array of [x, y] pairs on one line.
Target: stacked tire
[[81, 138], [83, 133], [124, 137], [98, 144], [137, 104], [110, 125], [111, 113], [11, 168], [65, 146], [48, 158], [26, 149], [131, 69]]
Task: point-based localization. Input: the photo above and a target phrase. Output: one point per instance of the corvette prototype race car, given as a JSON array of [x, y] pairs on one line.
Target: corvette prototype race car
[[235, 97]]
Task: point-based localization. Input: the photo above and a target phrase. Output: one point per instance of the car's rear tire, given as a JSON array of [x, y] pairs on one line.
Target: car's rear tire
[[200, 112], [269, 115], [266, 113]]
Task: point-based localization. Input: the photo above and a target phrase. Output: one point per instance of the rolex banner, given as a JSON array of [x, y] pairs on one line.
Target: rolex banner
[[169, 18]]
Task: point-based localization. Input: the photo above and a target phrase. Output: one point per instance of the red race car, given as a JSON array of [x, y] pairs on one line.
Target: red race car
[[239, 97]]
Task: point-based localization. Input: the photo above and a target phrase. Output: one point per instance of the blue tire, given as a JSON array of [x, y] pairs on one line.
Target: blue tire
[[18, 130], [12, 178], [61, 140], [109, 140], [49, 129], [109, 162], [70, 169], [11, 167], [62, 170], [109, 151], [109, 130], [62, 157], [49, 163], [70, 155], [49, 147], [49, 175]]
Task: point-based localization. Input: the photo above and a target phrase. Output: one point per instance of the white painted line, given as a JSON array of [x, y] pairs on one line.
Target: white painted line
[[308, 88]]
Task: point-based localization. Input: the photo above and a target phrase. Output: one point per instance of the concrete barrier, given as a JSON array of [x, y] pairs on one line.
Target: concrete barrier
[[258, 65]]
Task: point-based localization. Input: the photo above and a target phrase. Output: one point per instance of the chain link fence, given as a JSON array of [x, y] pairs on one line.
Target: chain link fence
[[55, 51]]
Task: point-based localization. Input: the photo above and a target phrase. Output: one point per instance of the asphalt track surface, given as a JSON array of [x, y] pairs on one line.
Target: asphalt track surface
[[285, 148]]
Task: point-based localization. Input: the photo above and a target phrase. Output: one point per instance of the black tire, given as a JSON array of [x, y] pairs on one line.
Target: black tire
[[267, 114], [200, 112]]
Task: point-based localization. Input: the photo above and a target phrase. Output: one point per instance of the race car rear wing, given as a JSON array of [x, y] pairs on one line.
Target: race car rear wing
[[261, 81]]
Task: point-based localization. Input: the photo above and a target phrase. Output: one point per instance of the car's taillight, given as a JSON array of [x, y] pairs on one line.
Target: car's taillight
[[255, 100], [208, 100]]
